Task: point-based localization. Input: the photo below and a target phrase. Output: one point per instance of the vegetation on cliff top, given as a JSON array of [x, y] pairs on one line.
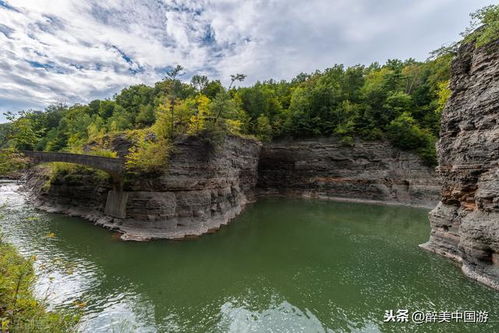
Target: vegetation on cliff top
[[400, 101], [484, 27], [19, 310]]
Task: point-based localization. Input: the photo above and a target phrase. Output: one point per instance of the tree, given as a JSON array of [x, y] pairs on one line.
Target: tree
[[484, 26], [236, 77], [405, 134], [200, 82], [202, 115], [145, 117], [174, 72], [395, 104], [212, 89], [23, 136], [175, 89], [263, 128], [222, 106]]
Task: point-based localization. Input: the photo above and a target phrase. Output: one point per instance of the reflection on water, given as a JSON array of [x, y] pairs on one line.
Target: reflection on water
[[283, 266]]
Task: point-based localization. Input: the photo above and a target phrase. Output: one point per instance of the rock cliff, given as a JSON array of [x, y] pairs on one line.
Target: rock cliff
[[366, 171], [204, 187], [465, 224]]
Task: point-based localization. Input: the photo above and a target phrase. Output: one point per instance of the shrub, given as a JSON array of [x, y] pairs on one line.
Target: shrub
[[404, 133], [149, 154], [11, 161], [487, 21], [73, 173], [19, 310]]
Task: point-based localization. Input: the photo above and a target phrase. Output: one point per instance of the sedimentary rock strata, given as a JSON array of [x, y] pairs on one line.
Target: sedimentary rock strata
[[465, 224], [366, 170], [207, 185], [203, 188]]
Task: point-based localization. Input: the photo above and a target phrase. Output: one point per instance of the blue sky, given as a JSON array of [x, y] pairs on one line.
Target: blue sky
[[74, 51]]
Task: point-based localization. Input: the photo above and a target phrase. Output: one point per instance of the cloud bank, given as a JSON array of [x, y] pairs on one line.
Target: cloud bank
[[74, 51]]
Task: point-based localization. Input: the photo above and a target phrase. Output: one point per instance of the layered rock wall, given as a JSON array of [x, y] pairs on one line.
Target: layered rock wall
[[207, 185], [365, 171], [465, 224], [203, 188]]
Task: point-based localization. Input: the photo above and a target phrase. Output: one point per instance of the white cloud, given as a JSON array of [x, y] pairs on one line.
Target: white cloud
[[74, 50]]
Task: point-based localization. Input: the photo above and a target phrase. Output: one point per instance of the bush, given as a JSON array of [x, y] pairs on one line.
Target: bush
[[404, 133], [73, 173], [487, 21], [11, 162], [149, 154], [19, 310]]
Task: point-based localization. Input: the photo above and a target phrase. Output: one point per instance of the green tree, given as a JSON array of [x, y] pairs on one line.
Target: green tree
[[263, 128], [404, 133], [484, 26], [200, 82], [22, 135]]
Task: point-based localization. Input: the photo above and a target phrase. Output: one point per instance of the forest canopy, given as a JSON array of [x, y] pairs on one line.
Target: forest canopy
[[399, 101]]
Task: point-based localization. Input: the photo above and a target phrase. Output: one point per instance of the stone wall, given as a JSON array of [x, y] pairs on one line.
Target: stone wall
[[465, 224], [365, 171]]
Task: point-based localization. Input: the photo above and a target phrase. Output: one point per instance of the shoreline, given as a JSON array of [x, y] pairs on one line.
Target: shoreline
[[128, 227], [345, 199], [131, 230], [468, 270]]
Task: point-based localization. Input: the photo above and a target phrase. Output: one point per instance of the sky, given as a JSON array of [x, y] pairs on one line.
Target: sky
[[74, 51]]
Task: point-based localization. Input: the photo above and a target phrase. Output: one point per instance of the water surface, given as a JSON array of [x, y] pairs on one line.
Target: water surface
[[284, 265]]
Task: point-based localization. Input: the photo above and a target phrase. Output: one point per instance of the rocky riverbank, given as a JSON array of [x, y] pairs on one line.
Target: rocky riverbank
[[368, 171], [465, 224], [206, 185]]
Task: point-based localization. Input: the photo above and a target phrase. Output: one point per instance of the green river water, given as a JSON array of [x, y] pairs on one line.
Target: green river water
[[284, 265]]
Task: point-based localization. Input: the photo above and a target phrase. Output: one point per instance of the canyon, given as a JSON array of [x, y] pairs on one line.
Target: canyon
[[207, 184]]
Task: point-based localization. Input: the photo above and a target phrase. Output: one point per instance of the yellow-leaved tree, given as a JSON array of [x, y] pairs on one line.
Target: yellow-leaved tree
[[151, 148], [201, 116]]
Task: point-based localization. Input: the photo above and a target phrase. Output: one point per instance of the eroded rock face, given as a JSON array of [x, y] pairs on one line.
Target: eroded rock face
[[465, 224], [366, 171], [204, 187]]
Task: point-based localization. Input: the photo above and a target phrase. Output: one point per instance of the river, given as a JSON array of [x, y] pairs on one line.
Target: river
[[284, 265]]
